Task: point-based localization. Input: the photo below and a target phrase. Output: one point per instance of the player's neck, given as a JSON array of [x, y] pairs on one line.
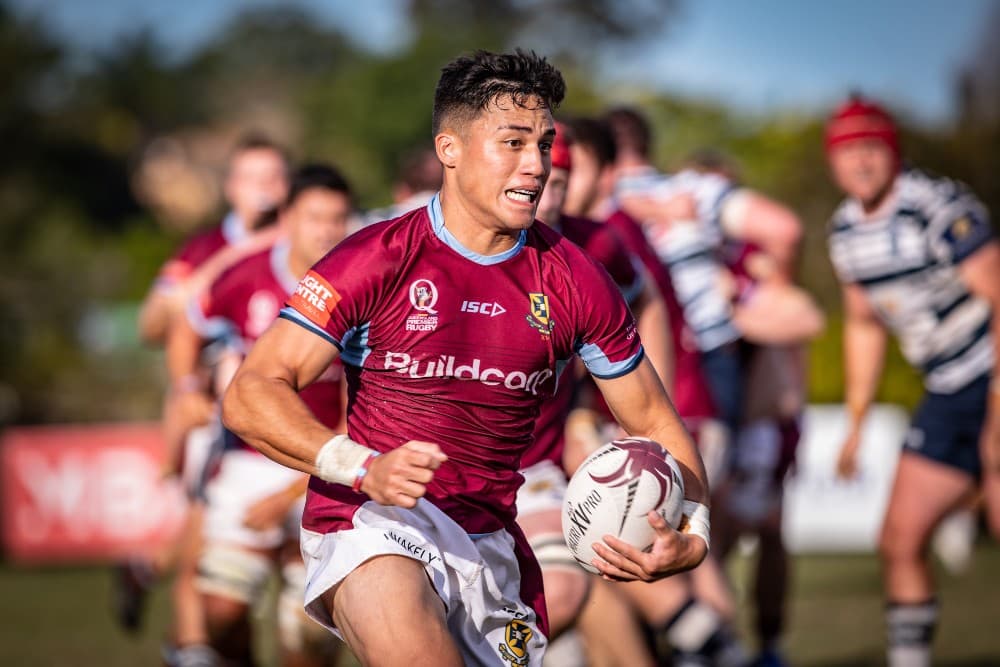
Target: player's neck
[[630, 161], [876, 205], [298, 265], [463, 223]]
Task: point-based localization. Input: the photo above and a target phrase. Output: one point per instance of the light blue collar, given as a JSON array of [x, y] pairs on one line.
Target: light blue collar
[[233, 230], [437, 224]]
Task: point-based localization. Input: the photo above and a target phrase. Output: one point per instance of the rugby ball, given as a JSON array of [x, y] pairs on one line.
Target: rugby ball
[[612, 492]]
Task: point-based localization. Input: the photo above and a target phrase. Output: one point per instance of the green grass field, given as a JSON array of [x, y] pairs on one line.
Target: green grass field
[[60, 617]]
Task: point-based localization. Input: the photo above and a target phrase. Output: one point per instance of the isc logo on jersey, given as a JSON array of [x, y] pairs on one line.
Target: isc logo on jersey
[[483, 308], [445, 366]]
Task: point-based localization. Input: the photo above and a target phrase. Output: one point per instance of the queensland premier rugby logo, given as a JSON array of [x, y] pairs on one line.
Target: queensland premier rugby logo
[[515, 647], [423, 298], [540, 317]]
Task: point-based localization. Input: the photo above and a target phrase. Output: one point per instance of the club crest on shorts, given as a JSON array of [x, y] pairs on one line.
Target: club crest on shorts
[[540, 317], [423, 297], [515, 647]]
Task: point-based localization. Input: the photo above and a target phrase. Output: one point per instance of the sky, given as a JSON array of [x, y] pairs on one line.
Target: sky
[[761, 56]]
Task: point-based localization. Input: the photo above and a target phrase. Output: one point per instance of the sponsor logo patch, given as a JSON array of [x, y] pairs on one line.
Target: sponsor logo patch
[[423, 298], [315, 298], [483, 308]]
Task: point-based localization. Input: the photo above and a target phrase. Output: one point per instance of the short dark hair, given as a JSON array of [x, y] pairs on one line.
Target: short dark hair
[[317, 175], [420, 170], [594, 135], [258, 141], [469, 84], [630, 129]]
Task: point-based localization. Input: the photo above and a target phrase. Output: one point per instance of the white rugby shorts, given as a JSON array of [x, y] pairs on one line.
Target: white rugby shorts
[[544, 488], [476, 576], [245, 478]]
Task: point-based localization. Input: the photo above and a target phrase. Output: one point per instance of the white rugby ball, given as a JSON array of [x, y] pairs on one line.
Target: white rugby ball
[[612, 492]]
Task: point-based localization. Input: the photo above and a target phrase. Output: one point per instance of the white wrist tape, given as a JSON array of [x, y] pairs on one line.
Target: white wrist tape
[[341, 459], [697, 519]]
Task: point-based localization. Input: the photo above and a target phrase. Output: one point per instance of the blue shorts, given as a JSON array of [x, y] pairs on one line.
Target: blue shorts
[[946, 427]]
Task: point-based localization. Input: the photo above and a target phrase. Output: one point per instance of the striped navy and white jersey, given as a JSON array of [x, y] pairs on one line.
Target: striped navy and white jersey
[[691, 252], [906, 259]]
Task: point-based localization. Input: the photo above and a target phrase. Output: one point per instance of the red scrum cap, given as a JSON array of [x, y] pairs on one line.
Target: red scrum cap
[[560, 148], [861, 119]]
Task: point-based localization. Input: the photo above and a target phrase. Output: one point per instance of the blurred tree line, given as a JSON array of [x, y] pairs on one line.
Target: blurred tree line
[[111, 158]]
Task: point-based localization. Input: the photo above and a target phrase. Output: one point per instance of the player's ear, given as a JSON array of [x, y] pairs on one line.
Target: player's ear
[[448, 147]]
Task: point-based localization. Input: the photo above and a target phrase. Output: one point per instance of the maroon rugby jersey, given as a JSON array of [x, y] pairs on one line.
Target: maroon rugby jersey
[[690, 392], [603, 244], [196, 250], [445, 345], [242, 303]]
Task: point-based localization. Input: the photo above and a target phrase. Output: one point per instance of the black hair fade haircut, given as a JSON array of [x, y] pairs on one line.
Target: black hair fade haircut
[[469, 84], [317, 175]]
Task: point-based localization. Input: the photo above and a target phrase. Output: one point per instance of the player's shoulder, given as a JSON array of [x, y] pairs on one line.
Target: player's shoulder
[[201, 245], [924, 191], [245, 272], [560, 253]]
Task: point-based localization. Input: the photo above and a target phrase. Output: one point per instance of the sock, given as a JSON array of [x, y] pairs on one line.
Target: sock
[[699, 636], [911, 631]]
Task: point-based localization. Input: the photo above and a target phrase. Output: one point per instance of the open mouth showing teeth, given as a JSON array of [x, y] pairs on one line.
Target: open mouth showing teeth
[[527, 196]]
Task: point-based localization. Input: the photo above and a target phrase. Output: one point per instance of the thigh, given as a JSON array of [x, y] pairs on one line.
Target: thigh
[[923, 492], [392, 594]]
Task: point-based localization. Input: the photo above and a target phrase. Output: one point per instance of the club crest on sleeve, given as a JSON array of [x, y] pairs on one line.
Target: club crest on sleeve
[[540, 317], [514, 650], [423, 298]]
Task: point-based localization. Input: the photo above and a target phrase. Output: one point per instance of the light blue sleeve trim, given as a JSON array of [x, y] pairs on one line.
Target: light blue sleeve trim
[[599, 366], [292, 315], [209, 328]]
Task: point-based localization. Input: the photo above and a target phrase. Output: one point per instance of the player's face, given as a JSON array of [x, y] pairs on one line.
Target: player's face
[[863, 168], [504, 162], [316, 222], [257, 182], [583, 181], [551, 202]]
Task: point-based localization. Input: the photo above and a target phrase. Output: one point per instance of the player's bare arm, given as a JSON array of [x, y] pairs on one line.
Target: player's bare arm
[[979, 272], [642, 407], [751, 216], [262, 406], [865, 340], [777, 313], [653, 325]]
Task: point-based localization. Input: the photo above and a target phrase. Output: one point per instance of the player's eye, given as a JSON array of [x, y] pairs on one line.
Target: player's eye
[[545, 146], [514, 143]]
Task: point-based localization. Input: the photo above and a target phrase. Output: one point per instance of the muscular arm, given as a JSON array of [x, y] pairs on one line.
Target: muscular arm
[[641, 406], [865, 340], [155, 314], [979, 272], [262, 405]]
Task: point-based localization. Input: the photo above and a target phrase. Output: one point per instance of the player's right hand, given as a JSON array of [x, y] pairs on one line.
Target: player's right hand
[[401, 476], [847, 460]]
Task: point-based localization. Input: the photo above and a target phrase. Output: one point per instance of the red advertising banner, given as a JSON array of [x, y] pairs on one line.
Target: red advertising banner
[[85, 493]]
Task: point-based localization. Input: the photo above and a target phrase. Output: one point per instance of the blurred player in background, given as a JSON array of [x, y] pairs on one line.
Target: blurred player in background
[[412, 529], [256, 183], [687, 217], [418, 180], [916, 256], [253, 505], [540, 498], [684, 623]]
